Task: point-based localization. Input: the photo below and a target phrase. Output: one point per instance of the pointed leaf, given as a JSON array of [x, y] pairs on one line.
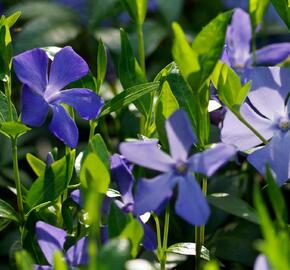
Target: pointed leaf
[[7, 211], [36, 164], [13, 129]]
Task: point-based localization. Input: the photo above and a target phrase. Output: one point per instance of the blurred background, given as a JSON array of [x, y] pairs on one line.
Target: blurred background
[[80, 24]]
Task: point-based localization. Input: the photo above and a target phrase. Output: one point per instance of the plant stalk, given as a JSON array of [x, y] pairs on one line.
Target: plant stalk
[[141, 47]]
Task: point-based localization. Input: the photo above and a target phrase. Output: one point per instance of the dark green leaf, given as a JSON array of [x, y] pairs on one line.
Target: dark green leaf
[[114, 255], [36, 164], [117, 221], [7, 211], [188, 249], [137, 9], [283, 9], [52, 182], [102, 62], [13, 129], [234, 206], [4, 111], [128, 96]]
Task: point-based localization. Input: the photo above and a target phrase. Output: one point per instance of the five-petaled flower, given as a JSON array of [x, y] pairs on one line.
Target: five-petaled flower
[[42, 91], [177, 169], [264, 109], [52, 239]]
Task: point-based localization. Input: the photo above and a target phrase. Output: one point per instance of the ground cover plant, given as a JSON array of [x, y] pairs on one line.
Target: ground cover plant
[[141, 134]]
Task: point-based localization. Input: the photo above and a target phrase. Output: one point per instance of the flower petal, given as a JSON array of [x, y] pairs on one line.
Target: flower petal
[[123, 177], [272, 54], [275, 155], [78, 253], [151, 193], [63, 127], [42, 267], [87, 103], [191, 204], [34, 108], [180, 135], [50, 239], [241, 37], [66, 67], [261, 263], [147, 154], [31, 69], [209, 161], [149, 240], [76, 197], [236, 133]]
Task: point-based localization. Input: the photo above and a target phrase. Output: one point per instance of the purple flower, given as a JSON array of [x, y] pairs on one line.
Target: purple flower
[[52, 239], [237, 53], [276, 156], [177, 169], [265, 108], [42, 91]]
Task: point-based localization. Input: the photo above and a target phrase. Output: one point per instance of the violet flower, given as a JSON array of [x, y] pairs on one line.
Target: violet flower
[[261, 263], [51, 239], [42, 91], [177, 169], [276, 156], [238, 43], [265, 108]]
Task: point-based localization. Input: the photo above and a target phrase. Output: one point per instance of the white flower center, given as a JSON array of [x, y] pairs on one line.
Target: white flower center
[[284, 124], [181, 167]]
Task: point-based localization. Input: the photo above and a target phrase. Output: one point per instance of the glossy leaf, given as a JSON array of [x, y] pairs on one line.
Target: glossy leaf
[[128, 96], [229, 88], [7, 211], [189, 249], [134, 232], [36, 164], [165, 106], [94, 173], [13, 129], [52, 182], [234, 206]]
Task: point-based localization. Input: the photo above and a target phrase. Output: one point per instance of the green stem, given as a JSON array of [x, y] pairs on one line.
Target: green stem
[[17, 180], [244, 121], [158, 233], [141, 47], [7, 87], [165, 239]]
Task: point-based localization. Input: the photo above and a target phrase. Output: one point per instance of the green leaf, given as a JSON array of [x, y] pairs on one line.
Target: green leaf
[[134, 232], [229, 88], [165, 106], [277, 199], [283, 9], [209, 44], [117, 221], [24, 261], [13, 18], [7, 211], [189, 249], [114, 255], [4, 112], [234, 206], [5, 48], [128, 96], [98, 146], [36, 164], [102, 62], [59, 261], [52, 182], [212, 265], [257, 9], [131, 74], [94, 174], [13, 129]]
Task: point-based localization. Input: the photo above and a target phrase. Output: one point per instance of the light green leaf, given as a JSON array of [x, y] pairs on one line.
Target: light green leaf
[[228, 85], [134, 232], [137, 9], [212, 265], [52, 182], [13, 18], [13, 129], [234, 206], [128, 96], [59, 261], [7, 211], [257, 9], [94, 174], [5, 48], [4, 111], [165, 106], [36, 164], [24, 261]]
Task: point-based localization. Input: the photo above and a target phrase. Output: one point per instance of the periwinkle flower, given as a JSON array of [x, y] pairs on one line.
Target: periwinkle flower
[[238, 54], [265, 108], [275, 155], [42, 91], [261, 263], [177, 169], [51, 239]]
